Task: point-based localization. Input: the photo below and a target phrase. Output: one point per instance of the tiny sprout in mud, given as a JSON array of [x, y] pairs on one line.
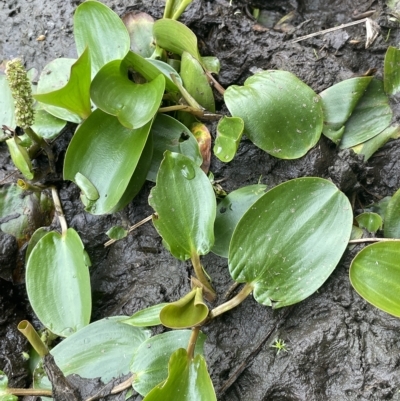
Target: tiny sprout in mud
[[280, 345]]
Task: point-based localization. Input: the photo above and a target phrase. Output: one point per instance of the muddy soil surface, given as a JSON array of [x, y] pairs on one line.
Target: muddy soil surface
[[340, 347]]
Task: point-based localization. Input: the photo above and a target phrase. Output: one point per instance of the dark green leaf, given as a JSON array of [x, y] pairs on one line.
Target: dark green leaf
[[146, 317], [290, 240], [101, 30], [188, 380], [338, 102], [58, 283], [392, 71], [281, 114], [107, 154], [185, 205], [229, 134], [229, 211], [170, 134], [392, 217], [150, 363], [74, 96], [372, 222], [375, 275], [134, 105]]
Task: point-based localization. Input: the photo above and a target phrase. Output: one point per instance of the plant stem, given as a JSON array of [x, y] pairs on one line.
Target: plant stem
[[192, 341], [33, 337], [168, 8], [43, 144], [26, 186], [37, 392], [362, 240], [232, 303], [59, 211], [198, 269], [215, 83]]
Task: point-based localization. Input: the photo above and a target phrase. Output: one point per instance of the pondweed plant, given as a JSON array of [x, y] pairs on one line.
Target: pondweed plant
[[141, 107]]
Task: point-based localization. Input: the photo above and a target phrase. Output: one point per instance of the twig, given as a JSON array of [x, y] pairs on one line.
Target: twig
[[59, 211], [362, 240]]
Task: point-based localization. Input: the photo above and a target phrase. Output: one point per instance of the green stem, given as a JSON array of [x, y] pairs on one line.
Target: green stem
[[198, 269], [192, 341], [59, 211], [26, 186], [33, 337], [232, 303], [181, 9], [168, 8], [43, 144]]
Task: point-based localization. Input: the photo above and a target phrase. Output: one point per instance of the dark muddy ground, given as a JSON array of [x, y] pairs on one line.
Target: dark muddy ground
[[341, 348]]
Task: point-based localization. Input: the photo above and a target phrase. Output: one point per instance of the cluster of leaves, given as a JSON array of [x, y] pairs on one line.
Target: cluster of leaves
[[282, 244]]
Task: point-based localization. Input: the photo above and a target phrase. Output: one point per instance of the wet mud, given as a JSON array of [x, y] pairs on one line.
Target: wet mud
[[339, 347]]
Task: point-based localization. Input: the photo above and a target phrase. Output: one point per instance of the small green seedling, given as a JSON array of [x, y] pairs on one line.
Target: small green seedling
[[280, 345]]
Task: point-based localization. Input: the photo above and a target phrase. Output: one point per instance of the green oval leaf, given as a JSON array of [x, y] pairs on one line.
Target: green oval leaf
[[188, 379], [229, 211], [20, 157], [281, 114], [134, 105], [46, 125], [375, 275], [185, 204], [150, 363], [170, 134], [107, 154], [101, 30], [229, 134], [58, 283], [189, 311], [146, 317], [372, 222], [102, 349], [195, 82], [117, 232], [74, 96], [290, 240], [392, 71], [392, 217], [36, 236], [338, 102]]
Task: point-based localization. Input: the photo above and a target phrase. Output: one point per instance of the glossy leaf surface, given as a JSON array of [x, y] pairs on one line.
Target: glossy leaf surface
[[170, 134], [375, 275], [46, 125], [58, 283], [20, 157], [281, 114], [290, 240], [392, 71], [102, 349], [229, 211], [338, 102], [195, 82], [101, 30], [185, 204], [146, 317], [175, 37], [106, 153], [372, 222], [370, 117], [7, 115], [229, 134], [188, 380], [54, 77], [75, 95], [189, 311], [150, 362], [392, 217], [134, 105]]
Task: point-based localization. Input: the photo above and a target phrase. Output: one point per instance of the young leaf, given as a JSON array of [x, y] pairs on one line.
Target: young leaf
[[290, 240], [20, 157], [195, 82], [146, 317], [74, 96], [229, 211], [189, 311], [281, 114], [188, 380], [370, 117], [170, 134], [229, 134], [392, 217], [134, 105], [58, 283], [174, 8], [372, 222], [150, 363], [375, 275], [185, 205], [391, 71], [7, 114], [211, 64], [109, 172], [54, 77], [338, 102], [101, 30], [176, 37], [102, 349], [117, 232]]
